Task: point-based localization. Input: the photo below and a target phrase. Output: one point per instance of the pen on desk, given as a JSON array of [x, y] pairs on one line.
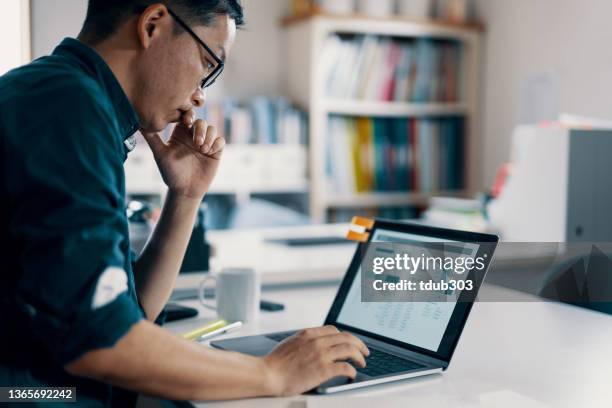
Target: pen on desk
[[207, 328], [223, 330]]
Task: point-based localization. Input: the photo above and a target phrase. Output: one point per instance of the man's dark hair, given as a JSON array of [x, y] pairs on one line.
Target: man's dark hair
[[105, 16]]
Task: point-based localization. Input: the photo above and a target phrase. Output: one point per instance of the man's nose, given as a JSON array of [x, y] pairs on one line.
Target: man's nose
[[198, 98]]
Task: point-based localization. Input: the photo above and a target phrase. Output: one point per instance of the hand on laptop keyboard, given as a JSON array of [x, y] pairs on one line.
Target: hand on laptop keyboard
[[313, 356]]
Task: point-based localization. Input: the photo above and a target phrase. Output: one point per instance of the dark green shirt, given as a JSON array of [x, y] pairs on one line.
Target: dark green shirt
[[66, 281]]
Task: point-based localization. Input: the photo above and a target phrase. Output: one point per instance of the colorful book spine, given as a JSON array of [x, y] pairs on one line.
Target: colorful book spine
[[395, 155], [384, 69]]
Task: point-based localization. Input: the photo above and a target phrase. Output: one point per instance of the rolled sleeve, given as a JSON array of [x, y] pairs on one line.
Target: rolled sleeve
[[69, 225]]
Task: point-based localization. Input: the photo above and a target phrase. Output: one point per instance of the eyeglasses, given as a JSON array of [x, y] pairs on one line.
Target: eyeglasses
[[213, 72]]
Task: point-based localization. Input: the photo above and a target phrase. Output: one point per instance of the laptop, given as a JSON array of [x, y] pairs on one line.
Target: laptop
[[405, 339]]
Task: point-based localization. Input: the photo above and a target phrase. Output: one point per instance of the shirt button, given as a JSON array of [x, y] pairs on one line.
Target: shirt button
[[130, 143]]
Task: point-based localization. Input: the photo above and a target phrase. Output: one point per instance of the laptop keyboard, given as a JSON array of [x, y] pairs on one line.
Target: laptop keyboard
[[381, 363], [377, 363]]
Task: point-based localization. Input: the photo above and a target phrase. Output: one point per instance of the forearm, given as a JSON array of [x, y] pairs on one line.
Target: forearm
[[150, 360], [158, 265]]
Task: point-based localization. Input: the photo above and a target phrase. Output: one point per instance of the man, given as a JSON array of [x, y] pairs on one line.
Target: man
[[76, 310]]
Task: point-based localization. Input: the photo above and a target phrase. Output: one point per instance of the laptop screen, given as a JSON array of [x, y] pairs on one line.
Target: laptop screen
[[421, 324], [428, 326]]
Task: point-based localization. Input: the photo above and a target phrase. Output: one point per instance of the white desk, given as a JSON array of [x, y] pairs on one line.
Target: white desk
[[528, 354]]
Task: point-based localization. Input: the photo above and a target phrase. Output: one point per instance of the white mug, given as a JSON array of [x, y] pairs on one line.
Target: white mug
[[237, 294]]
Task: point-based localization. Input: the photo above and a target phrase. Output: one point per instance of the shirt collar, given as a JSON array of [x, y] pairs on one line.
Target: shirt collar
[[126, 115]]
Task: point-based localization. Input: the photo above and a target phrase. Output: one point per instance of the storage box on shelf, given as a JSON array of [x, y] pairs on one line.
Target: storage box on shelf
[[244, 170], [361, 79], [260, 168]]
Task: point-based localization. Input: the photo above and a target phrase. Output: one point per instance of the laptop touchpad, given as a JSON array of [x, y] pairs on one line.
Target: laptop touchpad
[[253, 345]]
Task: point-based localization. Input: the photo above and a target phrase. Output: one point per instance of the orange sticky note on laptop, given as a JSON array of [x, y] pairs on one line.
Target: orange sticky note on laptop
[[360, 229]]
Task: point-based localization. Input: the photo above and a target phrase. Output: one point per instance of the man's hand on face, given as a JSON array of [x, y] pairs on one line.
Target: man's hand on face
[[189, 160]]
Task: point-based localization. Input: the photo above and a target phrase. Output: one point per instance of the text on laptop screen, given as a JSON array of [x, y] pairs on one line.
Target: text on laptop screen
[[420, 324]]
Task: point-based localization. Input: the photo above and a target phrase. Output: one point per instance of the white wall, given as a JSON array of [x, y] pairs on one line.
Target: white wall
[[254, 66], [570, 38], [256, 62], [52, 21], [14, 38]]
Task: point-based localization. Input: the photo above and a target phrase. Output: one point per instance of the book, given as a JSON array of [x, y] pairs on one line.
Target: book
[[260, 119], [385, 155], [368, 67]]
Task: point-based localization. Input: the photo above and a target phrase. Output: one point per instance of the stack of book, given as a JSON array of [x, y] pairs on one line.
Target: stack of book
[[259, 120], [381, 154], [457, 213], [383, 69]]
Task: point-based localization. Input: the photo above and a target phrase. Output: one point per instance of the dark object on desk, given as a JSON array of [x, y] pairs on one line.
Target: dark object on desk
[[198, 251], [582, 281], [174, 312], [271, 306], [309, 241]]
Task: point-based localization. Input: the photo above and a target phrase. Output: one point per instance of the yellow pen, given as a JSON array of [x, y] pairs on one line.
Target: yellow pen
[[207, 328], [223, 330]]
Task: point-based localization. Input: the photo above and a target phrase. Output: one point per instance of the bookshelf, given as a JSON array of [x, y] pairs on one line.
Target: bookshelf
[[307, 84]]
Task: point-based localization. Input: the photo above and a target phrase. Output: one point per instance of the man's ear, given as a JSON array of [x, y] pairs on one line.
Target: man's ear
[[151, 23]]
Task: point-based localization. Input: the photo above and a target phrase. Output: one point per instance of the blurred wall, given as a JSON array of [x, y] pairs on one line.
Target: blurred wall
[[52, 21], [567, 39], [14, 38], [256, 62], [254, 66]]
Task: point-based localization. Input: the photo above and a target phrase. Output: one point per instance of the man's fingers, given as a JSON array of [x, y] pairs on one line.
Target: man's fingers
[[314, 356], [343, 370], [199, 132], [344, 338], [202, 135], [188, 119], [346, 351], [318, 331], [217, 146], [209, 139]]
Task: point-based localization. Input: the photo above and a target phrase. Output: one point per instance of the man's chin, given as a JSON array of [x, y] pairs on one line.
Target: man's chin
[[154, 127]]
